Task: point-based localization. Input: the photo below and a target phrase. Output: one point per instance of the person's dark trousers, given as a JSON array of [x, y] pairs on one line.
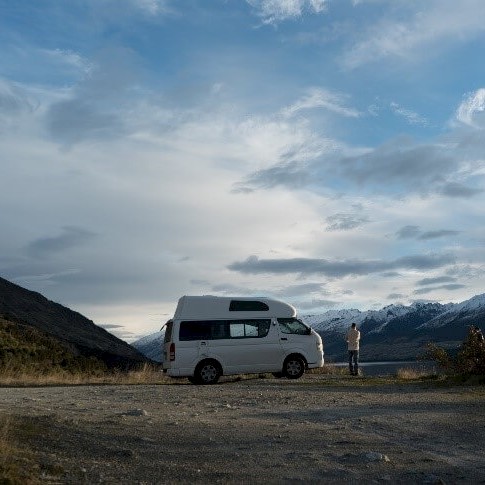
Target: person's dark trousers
[[354, 362]]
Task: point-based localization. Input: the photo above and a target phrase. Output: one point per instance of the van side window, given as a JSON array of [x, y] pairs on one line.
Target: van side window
[[248, 306], [249, 328], [293, 326], [223, 329], [203, 330], [194, 330]]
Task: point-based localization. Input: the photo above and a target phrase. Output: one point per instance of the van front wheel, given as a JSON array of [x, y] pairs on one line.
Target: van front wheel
[[294, 367], [207, 372]]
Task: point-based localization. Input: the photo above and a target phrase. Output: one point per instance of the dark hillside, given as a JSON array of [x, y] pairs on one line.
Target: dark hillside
[[76, 333], [25, 349]]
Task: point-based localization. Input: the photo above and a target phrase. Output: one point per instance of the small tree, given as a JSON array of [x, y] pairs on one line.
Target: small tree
[[471, 356], [470, 359]]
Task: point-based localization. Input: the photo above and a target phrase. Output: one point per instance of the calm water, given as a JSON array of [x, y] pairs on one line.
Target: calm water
[[390, 368]]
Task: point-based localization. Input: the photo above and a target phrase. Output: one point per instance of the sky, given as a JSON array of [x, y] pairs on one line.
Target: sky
[[328, 153]]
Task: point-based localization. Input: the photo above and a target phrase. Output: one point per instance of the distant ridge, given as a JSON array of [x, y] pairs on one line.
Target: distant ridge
[[77, 333], [395, 332], [398, 332]]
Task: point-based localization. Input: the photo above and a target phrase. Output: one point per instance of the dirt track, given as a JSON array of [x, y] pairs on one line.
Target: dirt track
[[316, 429]]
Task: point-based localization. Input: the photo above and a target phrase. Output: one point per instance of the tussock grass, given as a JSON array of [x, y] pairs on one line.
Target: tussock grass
[[25, 377], [329, 370], [410, 374], [16, 467]]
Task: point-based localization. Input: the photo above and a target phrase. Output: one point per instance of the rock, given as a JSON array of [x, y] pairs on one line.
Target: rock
[[366, 457], [433, 480], [374, 456], [136, 412]]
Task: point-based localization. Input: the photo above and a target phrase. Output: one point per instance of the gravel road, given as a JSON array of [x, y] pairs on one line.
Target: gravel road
[[319, 429]]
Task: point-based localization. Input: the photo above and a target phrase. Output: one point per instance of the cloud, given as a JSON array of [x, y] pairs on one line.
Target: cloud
[[434, 281], [408, 232], [466, 271], [304, 289], [114, 12], [291, 175], [471, 111], [76, 120], [110, 326], [437, 234], [96, 108], [324, 99], [450, 287], [153, 7], [62, 58], [458, 190], [71, 237], [275, 11], [13, 99], [399, 166], [408, 33], [411, 117], [317, 304], [414, 232], [345, 222], [339, 268], [231, 289]]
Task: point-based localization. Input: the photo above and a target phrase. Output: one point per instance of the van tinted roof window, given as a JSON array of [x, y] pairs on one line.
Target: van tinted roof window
[[248, 306]]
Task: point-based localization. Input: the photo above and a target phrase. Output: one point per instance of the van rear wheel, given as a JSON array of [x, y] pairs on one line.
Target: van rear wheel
[[207, 372], [294, 367]]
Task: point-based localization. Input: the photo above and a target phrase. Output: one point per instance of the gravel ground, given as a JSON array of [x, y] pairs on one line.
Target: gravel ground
[[318, 429]]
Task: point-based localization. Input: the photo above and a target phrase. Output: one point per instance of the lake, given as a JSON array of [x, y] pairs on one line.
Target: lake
[[390, 367]]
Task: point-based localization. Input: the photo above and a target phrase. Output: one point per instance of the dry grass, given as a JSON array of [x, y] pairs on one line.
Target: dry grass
[[147, 374], [5, 446], [330, 369], [409, 374], [16, 468]]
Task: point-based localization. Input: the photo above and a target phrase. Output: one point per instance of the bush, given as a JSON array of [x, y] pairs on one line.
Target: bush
[[468, 361]]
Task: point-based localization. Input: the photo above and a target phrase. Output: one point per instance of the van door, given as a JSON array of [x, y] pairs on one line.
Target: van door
[[251, 345], [296, 337]]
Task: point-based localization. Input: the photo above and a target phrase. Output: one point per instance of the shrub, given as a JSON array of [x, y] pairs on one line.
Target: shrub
[[468, 361]]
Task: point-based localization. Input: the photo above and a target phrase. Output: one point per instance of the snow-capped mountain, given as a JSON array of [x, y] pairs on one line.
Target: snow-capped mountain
[[471, 311], [395, 332], [400, 332], [151, 345], [340, 320]]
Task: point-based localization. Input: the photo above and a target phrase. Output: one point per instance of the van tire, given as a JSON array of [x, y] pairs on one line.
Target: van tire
[[207, 372], [294, 367]]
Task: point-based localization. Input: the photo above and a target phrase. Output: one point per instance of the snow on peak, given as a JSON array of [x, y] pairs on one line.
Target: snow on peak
[[474, 303], [340, 320]]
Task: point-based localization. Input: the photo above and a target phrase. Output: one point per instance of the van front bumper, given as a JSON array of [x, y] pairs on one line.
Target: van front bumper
[[319, 363]]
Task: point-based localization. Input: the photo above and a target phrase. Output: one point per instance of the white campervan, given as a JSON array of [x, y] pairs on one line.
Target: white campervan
[[210, 336]]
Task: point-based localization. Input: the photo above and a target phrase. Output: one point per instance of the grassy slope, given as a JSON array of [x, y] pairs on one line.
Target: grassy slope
[[24, 349]]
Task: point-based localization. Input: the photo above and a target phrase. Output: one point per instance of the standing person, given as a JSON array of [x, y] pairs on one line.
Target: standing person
[[353, 340]]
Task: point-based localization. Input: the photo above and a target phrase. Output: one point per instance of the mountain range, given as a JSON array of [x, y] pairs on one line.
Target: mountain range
[[395, 332], [78, 335]]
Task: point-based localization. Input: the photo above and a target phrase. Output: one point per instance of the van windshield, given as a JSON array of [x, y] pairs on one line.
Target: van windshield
[[293, 326]]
